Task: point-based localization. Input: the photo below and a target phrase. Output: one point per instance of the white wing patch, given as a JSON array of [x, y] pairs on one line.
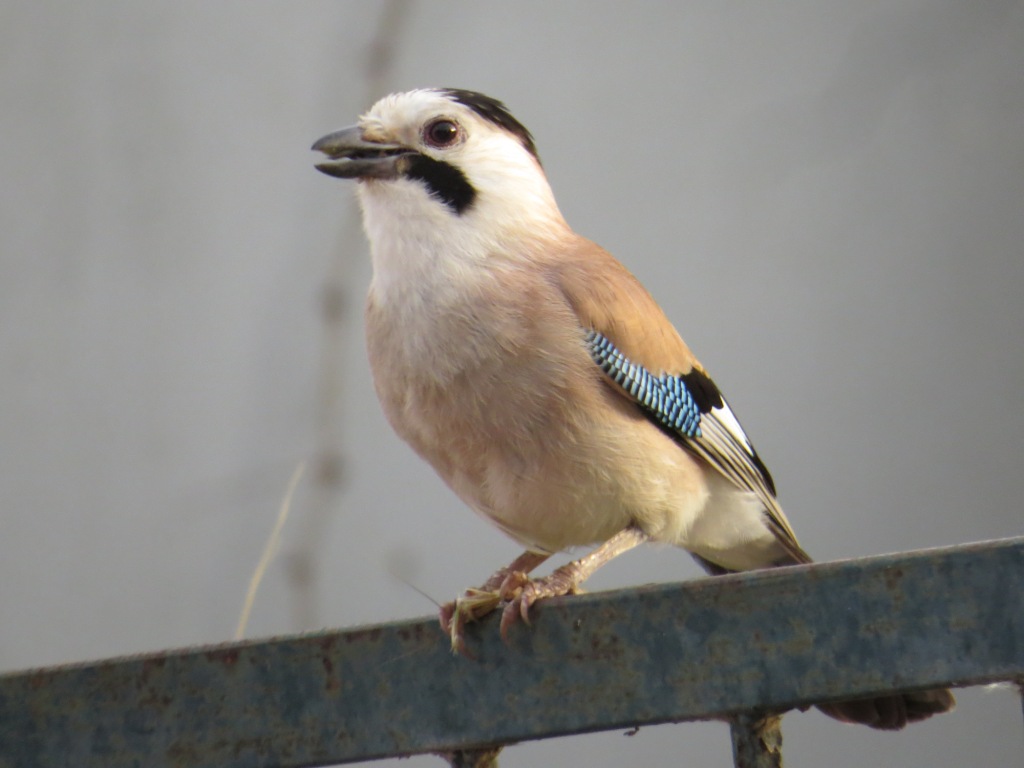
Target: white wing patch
[[727, 419], [717, 436], [726, 447]]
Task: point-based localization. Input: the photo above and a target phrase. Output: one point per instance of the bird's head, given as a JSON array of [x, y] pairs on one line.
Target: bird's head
[[442, 152]]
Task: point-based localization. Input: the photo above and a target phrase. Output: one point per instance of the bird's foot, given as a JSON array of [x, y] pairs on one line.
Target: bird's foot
[[476, 603], [562, 581], [470, 606]]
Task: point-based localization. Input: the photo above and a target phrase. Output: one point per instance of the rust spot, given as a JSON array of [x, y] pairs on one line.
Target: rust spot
[[182, 753], [416, 632], [154, 699], [372, 635], [893, 577], [228, 657], [606, 647], [327, 642], [38, 681], [332, 683], [151, 665]]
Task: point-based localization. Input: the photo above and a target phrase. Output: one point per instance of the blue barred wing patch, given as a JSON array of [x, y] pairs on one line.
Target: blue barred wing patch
[[664, 397]]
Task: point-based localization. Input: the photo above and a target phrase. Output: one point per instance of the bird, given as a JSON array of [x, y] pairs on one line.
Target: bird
[[538, 377]]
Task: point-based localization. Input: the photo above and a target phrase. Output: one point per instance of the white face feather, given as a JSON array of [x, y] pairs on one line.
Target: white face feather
[[416, 239]]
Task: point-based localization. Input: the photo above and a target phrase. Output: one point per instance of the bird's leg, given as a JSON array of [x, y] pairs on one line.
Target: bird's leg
[[476, 603], [567, 579]]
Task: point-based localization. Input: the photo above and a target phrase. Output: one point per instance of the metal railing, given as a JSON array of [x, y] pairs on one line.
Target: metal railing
[[735, 647]]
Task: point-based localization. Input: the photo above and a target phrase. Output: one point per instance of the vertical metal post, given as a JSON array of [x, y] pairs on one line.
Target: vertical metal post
[[1020, 690], [485, 757], [756, 740]]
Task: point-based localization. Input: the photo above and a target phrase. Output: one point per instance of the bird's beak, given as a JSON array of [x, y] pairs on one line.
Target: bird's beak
[[350, 156]]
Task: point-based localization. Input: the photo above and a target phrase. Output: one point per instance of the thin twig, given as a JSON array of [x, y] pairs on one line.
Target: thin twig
[[328, 472], [269, 550]]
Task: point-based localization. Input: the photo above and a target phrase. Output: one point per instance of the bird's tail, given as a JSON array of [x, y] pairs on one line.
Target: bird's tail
[[886, 713], [890, 713]]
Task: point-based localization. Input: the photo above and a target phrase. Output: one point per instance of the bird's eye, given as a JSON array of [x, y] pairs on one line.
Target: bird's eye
[[441, 133]]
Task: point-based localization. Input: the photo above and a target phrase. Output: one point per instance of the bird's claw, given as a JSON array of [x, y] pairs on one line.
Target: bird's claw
[[503, 587], [563, 581], [472, 605], [513, 588]]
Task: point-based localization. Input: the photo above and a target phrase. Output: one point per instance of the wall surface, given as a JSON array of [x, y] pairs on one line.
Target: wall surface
[[825, 197]]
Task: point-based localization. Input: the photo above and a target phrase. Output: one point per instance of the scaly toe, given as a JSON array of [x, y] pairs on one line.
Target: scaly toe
[[474, 604], [527, 598], [445, 615], [513, 585], [509, 616], [557, 584]]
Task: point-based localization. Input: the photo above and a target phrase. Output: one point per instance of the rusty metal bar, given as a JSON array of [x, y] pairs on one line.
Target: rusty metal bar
[[713, 647]]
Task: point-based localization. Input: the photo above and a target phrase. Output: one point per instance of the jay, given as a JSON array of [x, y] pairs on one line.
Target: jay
[[538, 377]]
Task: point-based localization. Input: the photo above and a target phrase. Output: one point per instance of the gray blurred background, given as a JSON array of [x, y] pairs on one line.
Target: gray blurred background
[[827, 198]]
